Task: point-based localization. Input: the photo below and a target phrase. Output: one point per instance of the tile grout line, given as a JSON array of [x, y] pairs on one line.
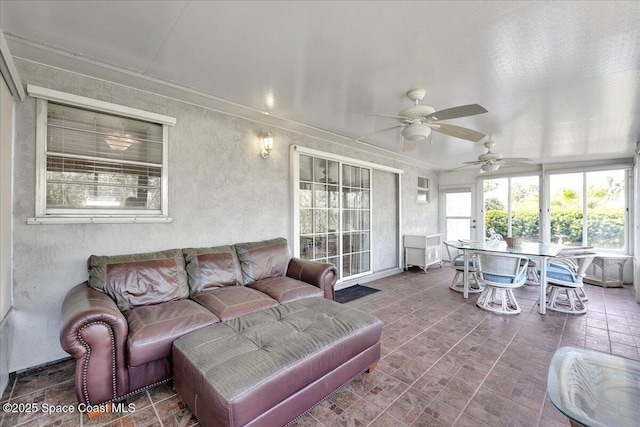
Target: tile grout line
[[153, 406], [492, 367], [440, 358], [546, 392]]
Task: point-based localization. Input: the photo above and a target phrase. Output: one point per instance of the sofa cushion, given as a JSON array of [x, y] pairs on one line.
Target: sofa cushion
[[285, 289], [153, 328], [234, 301], [232, 373], [211, 267], [261, 260], [140, 279]]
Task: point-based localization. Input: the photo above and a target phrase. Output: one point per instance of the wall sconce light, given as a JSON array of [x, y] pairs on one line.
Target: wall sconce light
[[267, 145]]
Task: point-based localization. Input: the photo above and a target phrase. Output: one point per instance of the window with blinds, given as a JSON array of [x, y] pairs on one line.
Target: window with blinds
[[93, 163], [97, 161]]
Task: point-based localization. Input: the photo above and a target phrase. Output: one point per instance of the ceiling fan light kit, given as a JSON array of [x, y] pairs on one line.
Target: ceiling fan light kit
[[490, 167], [416, 131]]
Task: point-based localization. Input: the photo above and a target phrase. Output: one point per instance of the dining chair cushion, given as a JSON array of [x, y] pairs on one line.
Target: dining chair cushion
[[496, 278], [460, 263], [559, 273]]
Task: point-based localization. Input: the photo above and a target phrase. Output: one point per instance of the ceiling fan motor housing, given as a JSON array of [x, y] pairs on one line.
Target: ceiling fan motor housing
[[416, 112]]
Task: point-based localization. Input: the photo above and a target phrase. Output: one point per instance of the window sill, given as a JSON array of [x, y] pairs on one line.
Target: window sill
[[96, 220]]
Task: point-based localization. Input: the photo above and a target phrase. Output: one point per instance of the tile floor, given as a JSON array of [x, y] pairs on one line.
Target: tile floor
[[444, 362]]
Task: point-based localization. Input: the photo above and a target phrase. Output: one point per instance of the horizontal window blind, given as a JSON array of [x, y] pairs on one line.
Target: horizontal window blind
[[98, 161]]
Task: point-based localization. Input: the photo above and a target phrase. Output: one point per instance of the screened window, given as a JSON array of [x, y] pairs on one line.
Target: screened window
[[512, 206], [96, 164], [589, 209]]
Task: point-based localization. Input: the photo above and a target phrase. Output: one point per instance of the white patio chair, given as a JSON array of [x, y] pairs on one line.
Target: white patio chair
[[533, 276], [565, 291], [499, 274], [456, 258]]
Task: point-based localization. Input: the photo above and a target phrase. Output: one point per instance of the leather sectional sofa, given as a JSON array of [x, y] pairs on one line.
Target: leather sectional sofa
[[120, 325]]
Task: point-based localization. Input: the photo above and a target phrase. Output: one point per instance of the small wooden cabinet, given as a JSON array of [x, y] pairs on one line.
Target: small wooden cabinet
[[422, 251]]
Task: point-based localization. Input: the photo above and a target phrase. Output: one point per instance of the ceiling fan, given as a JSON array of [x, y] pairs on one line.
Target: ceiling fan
[[418, 121], [491, 161]]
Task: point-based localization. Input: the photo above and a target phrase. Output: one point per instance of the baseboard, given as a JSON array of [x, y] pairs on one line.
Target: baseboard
[[31, 369], [369, 278]]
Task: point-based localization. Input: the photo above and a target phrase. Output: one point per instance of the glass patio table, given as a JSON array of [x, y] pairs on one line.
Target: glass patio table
[[595, 389], [540, 251]]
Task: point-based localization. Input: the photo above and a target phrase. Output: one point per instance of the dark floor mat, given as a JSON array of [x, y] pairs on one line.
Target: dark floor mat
[[354, 292]]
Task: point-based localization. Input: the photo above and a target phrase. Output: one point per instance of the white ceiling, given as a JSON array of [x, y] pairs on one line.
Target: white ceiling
[[561, 80]]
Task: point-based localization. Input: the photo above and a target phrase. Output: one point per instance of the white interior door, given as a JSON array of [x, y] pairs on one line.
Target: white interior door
[[459, 218]]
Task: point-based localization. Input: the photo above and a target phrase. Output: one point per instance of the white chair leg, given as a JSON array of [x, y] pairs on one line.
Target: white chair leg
[[454, 284], [498, 300], [582, 295], [474, 285], [565, 300], [474, 288], [533, 278]]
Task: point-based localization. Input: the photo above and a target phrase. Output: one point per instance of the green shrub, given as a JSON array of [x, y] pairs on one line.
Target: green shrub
[[605, 226]]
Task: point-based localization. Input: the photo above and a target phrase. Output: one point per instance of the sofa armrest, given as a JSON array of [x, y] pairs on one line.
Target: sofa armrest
[[320, 274], [95, 332]]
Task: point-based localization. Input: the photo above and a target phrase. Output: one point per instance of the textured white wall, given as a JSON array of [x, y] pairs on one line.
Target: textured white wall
[[385, 220], [221, 191]]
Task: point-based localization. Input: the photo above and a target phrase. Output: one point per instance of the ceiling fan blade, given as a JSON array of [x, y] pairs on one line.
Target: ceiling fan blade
[[457, 131], [460, 167], [456, 112], [408, 144], [515, 163], [514, 159], [473, 163], [375, 132]]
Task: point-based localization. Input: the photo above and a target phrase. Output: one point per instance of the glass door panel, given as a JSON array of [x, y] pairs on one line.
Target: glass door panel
[[335, 214], [458, 220]]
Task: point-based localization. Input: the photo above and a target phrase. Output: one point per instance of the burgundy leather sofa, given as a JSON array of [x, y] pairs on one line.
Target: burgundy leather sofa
[[120, 325]]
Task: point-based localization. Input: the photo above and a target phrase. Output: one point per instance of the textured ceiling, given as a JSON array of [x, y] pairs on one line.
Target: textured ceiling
[[561, 80]]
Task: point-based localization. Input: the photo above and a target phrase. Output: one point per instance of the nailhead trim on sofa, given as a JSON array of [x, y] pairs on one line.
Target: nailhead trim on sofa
[[85, 390]]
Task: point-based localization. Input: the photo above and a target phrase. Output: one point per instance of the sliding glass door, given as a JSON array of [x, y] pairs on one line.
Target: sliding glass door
[[334, 205]]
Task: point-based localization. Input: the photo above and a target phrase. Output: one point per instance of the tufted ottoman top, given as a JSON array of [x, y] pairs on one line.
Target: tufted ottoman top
[[246, 365]]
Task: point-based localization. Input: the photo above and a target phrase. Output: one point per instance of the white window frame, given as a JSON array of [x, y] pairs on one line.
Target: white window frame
[[628, 244], [45, 95], [296, 151], [509, 179]]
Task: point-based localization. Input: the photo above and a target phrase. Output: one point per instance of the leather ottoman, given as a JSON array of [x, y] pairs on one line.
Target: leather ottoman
[[267, 368]]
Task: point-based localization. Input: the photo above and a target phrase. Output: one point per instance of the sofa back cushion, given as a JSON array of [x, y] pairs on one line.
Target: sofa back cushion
[[140, 279], [262, 260], [209, 268]]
